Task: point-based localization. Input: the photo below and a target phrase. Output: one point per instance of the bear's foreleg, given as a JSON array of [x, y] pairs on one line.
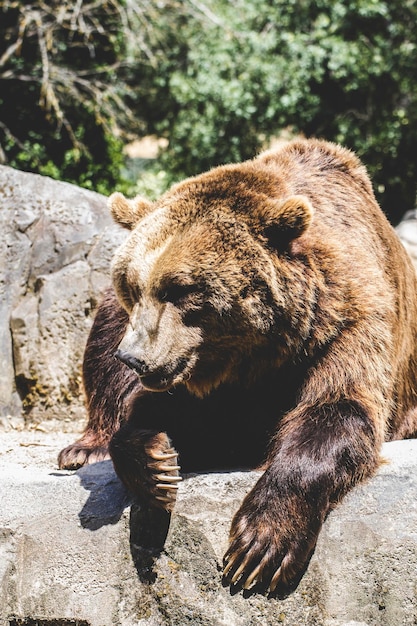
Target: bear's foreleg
[[318, 455]]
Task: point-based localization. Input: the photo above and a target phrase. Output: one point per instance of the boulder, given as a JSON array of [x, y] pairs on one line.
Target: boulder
[[74, 550], [54, 266]]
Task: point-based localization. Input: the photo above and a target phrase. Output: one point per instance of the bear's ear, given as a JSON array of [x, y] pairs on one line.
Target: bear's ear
[[126, 212], [286, 220]]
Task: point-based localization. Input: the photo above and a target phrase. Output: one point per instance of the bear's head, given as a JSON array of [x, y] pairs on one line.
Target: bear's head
[[207, 278]]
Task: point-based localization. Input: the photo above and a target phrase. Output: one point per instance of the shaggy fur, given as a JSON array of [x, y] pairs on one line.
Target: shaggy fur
[[263, 314]]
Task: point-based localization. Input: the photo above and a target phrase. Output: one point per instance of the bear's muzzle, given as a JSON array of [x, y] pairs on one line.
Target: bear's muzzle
[[158, 379]]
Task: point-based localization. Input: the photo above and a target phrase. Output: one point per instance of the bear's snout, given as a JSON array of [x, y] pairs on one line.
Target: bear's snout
[[131, 361], [154, 379]]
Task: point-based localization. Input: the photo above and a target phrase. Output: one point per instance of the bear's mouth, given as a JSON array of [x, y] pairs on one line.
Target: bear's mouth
[[164, 378], [158, 379]]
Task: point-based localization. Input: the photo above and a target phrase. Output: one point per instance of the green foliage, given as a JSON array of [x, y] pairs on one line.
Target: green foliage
[[241, 72], [59, 100]]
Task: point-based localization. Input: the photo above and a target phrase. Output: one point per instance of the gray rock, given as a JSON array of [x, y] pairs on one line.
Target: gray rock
[[72, 549], [54, 266]]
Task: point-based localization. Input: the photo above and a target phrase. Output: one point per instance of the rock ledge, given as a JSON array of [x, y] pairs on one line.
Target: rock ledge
[[73, 552]]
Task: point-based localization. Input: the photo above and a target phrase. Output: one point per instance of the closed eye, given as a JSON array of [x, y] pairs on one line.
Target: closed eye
[[175, 293], [128, 294]]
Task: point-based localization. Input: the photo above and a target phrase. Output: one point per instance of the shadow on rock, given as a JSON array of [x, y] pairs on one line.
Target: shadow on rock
[[108, 497], [148, 526], [105, 505], [148, 532]]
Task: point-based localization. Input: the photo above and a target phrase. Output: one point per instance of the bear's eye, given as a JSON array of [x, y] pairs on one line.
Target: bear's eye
[[129, 295], [176, 293]]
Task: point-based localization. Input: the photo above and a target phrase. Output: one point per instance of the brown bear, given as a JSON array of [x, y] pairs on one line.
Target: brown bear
[[264, 314]]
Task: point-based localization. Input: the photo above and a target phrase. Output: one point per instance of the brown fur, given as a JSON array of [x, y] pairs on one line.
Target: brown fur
[[273, 308]]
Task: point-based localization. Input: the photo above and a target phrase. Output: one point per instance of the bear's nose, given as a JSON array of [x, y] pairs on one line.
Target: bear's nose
[[131, 361]]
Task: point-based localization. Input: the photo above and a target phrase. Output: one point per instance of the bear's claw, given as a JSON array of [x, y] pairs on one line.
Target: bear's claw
[[168, 468], [275, 580], [167, 478], [166, 499], [162, 456], [250, 580], [165, 475]]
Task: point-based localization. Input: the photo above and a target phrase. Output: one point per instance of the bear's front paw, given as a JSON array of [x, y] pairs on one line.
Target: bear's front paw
[[147, 464], [268, 552]]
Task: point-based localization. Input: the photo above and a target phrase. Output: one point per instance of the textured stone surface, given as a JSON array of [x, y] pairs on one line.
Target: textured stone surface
[[57, 242], [72, 549]]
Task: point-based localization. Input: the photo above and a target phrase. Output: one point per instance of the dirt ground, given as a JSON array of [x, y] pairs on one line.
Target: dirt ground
[[35, 448]]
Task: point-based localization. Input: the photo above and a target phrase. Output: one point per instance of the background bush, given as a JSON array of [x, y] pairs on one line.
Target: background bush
[[60, 100], [218, 79]]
